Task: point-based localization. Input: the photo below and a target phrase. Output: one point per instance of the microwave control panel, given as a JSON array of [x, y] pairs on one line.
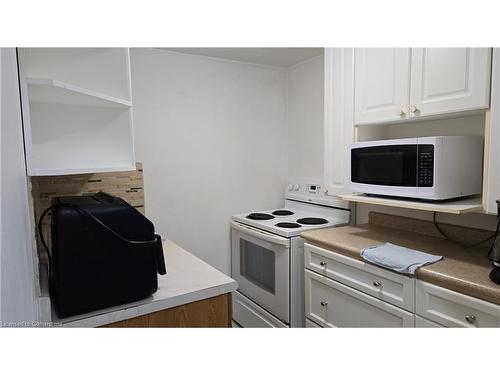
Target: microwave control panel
[[425, 165]]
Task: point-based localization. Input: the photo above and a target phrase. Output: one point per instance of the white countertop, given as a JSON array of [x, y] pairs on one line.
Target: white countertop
[[188, 279]]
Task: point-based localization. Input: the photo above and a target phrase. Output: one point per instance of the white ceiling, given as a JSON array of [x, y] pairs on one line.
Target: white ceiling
[[282, 57]]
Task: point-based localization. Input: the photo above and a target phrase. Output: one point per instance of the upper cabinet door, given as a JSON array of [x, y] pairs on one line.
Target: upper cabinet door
[[382, 79], [446, 80]]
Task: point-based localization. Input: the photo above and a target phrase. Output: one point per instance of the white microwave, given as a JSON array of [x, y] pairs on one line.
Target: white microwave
[[434, 168]]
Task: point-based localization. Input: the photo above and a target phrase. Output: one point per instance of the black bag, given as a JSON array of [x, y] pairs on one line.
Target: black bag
[[104, 253]]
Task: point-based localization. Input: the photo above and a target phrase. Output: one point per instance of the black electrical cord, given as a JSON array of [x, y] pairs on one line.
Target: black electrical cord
[[493, 236], [493, 243]]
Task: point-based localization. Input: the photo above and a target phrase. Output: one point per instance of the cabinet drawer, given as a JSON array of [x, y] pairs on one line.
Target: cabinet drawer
[[425, 323], [331, 304], [452, 309], [375, 281]]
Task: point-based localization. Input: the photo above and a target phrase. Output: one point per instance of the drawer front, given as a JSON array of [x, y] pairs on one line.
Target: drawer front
[[331, 304], [250, 315], [425, 323], [375, 281], [311, 324], [452, 309]]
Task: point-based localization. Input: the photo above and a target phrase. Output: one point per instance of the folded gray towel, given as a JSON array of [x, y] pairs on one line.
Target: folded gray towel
[[398, 258]]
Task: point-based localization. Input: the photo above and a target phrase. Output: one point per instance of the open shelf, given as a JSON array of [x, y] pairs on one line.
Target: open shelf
[[44, 90], [459, 206], [60, 171]]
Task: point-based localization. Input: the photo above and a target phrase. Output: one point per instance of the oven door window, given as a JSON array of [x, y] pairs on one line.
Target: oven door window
[[258, 265], [385, 165]]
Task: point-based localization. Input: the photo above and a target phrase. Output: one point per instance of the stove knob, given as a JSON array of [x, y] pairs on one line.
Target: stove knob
[[290, 187], [296, 187]]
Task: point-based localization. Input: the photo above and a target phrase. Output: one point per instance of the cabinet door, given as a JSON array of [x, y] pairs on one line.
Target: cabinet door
[[339, 122], [447, 80], [332, 304], [382, 84]]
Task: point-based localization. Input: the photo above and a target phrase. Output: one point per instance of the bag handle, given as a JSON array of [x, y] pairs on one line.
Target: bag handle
[[159, 259]]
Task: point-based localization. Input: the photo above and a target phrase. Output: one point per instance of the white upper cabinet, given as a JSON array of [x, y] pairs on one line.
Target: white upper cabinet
[[446, 80], [398, 84], [339, 127], [77, 110], [382, 81]]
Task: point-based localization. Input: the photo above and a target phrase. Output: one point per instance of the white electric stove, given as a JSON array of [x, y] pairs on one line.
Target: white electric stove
[[267, 255]]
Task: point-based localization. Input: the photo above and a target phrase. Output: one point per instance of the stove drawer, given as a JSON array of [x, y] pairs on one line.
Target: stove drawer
[[250, 315], [311, 324], [383, 284], [332, 304]]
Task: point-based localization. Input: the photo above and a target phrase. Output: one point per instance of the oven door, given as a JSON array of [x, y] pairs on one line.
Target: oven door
[[260, 264]]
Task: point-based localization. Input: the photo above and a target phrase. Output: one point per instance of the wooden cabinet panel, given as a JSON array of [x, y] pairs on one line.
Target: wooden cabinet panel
[[212, 312]]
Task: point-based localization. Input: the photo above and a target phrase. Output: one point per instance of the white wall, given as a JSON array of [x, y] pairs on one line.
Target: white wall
[[16, 262], [305, 120], [212, 135]]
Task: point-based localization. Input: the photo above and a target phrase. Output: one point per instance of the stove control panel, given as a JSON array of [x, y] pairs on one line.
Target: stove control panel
[[313, 192], [305, 189], [313, 189]]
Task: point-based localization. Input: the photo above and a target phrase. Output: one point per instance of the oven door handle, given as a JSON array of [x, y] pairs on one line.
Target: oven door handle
[[261, 234]]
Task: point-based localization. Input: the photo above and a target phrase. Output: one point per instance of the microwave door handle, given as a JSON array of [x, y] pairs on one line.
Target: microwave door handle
[[260, 234]]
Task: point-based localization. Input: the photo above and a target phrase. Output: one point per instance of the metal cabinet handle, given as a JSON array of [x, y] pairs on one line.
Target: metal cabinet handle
[[470, 318], [324, 303], [413, 109], [402, 113], [377, 283], [323, 263]]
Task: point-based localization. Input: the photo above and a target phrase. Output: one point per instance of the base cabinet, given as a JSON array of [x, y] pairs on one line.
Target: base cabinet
[[332, 304], [212, 312], [425, 323], [338, 294]]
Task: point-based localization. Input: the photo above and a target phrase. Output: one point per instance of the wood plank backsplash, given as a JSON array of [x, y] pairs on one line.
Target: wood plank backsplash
[[126, 185]]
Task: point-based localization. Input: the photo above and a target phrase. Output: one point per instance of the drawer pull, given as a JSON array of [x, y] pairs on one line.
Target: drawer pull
[[377, 284], [323, 263], [323, 303], [470, 318]]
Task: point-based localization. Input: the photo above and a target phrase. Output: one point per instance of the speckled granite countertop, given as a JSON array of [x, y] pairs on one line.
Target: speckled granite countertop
[[465, 270]]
